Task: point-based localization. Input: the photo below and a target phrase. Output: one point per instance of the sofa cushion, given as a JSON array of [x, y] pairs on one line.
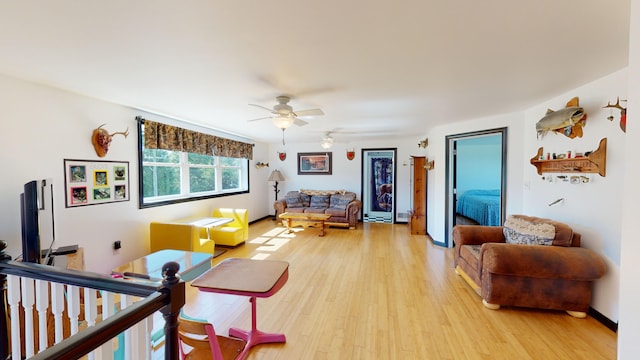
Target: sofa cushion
[[340, 201], [296, 209], [293, 200], [528, 231], [319, 201], [314, 210], [306, 200], [336, 212]]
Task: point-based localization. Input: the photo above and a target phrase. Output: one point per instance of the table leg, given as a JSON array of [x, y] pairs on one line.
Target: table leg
[[321, 228], [254, 336], [289, 221]]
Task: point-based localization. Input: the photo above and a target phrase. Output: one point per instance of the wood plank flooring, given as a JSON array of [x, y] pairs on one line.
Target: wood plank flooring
[[379, 292]]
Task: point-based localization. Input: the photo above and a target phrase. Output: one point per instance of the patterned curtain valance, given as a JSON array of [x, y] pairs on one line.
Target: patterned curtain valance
[[168, 137]]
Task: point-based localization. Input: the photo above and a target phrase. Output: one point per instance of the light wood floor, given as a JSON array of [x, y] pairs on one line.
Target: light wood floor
[[378, 292]]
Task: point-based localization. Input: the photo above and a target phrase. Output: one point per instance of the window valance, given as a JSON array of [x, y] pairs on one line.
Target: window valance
[[169, 137]]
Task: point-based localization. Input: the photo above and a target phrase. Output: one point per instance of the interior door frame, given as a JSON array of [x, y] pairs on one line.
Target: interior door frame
[[450, 177], [365, 190]]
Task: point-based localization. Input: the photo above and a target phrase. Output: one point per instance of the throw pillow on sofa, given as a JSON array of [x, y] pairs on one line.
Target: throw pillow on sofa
[[319, 201], [525, 230], [293, 200], [340, 201]]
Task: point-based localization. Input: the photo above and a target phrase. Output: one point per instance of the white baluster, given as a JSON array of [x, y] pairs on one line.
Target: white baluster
[[13, 294], [126, 301], [57, 307], [42, 303], [90, 312], [28, 299], [108, 309], [148, 353], [73, 307]]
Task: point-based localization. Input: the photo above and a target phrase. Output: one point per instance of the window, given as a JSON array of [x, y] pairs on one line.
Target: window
[[174, 176]]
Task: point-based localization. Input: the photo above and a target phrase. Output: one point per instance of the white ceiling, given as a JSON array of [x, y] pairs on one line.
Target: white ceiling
[[376, 68]]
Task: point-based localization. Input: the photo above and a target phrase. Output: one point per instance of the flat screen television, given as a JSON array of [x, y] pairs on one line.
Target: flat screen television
[[30, 226]]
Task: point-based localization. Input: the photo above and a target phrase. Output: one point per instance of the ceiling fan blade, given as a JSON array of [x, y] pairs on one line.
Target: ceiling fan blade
[[299, 122], [262, 118], [309, 113], [262, 107]]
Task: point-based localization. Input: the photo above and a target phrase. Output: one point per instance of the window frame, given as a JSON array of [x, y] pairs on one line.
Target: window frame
[[184, 166]]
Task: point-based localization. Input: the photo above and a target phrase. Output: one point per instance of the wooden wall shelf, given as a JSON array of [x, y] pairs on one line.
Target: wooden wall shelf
[[596, 162]]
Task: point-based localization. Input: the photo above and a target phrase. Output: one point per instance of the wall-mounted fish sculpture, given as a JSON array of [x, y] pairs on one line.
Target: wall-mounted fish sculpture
[[568, 121]]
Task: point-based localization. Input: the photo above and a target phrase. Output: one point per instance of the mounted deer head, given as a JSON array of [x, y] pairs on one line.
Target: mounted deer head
[[101, 139]]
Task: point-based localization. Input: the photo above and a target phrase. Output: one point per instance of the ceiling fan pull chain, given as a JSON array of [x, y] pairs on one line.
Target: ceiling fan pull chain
[[283, 137]]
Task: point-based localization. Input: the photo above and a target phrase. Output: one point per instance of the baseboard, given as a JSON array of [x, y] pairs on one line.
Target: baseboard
[[610, 324], [271, 217]]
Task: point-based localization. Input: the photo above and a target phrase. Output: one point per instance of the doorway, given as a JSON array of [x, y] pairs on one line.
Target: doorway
[[378, 185], [476, 170]]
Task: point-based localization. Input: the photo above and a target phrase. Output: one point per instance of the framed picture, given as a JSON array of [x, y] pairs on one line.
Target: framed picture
[[314, 163], [89, 182]]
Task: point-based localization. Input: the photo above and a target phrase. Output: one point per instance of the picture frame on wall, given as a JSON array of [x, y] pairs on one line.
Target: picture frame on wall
[[316, 163], [92, 182]]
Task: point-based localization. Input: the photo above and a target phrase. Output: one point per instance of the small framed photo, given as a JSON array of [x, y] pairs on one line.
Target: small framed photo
[[314, 163]]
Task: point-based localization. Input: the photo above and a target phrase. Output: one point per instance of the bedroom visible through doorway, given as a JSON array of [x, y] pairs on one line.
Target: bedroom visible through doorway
[[476, 179]]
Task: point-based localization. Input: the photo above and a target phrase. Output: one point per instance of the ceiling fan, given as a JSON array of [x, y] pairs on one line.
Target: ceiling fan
[[283, 115]]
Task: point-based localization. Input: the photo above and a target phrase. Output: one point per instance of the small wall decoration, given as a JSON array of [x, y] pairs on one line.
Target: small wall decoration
[[351, 154], [623, 113], [95, 182], [314, 163], [282, 155], [101, 139]]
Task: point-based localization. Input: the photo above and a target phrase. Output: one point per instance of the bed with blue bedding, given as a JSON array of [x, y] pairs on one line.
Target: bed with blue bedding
[[483, 206]]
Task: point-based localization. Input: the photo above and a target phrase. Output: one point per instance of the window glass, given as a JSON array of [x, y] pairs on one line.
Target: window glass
[[172, 176]]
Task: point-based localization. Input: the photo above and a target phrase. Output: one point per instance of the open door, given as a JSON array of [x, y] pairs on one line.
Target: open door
[[475, 179], [378, 185]]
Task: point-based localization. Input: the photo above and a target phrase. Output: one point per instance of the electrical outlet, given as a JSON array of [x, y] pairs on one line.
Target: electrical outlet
[[117, 245]]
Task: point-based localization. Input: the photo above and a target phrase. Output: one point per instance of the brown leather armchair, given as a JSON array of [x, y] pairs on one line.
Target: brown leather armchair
[[557, 276]]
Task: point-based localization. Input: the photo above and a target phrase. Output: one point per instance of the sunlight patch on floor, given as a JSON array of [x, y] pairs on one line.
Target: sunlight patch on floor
[[260, 256], [273, 245]]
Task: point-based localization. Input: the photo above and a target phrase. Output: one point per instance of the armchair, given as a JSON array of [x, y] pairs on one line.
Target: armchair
[[179, 237], [557, 276], [233, 233]]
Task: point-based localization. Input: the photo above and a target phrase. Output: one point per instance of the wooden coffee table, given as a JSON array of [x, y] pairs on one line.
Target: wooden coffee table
[[305, 219]]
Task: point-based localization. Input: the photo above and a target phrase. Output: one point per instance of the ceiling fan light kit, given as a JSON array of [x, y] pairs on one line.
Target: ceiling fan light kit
[[283, 115], [283, 122], [327, 141]]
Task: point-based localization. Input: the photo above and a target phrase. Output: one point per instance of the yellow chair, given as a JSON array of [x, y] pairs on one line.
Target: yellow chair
[[200, 336], [233, 233], [178, 237]]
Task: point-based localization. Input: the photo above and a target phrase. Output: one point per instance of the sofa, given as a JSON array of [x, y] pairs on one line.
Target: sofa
[[341, 205], [528, 262]]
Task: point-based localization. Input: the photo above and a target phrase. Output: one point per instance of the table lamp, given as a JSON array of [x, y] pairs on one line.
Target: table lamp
[[276, 176]]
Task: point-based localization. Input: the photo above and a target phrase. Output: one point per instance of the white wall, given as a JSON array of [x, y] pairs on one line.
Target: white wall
[[437, 177], [592, 209], [41, 127], [629, 330], [346, 174]]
